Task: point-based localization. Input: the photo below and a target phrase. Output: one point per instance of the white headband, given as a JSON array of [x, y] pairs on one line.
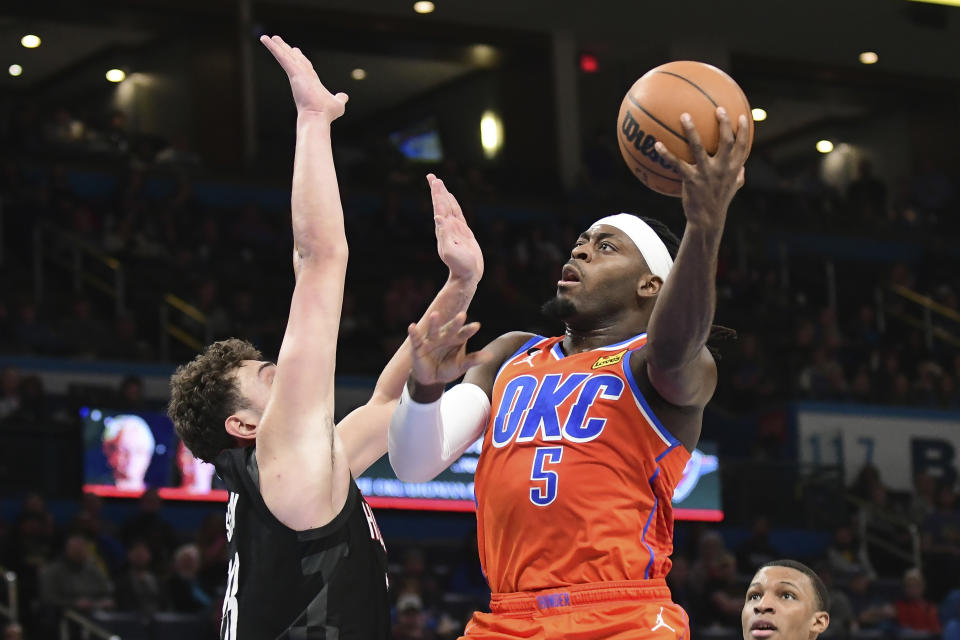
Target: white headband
[[646, 239]]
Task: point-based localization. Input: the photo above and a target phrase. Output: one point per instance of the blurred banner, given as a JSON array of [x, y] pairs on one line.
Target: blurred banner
[[901, 443]]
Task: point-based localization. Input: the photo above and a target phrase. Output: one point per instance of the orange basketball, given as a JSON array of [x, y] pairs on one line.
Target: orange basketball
[[651, 111]]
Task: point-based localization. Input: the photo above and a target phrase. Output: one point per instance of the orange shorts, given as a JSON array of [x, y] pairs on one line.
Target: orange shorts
[[634, 610]]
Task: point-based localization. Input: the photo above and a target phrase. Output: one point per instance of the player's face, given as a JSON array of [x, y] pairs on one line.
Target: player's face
[[781, 604], [602, 274], [255, 378]]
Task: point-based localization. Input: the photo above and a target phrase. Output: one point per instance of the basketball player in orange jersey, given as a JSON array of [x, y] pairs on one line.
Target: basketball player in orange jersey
[[586, 435]]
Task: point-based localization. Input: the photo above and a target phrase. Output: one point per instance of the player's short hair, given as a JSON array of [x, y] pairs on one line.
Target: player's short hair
[[822, 593], [203, 394]]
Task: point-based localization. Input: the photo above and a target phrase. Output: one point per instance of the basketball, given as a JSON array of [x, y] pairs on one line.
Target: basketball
[[651, 111]]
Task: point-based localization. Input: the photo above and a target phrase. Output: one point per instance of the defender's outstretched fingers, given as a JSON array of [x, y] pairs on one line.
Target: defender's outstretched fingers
[[685, 169], [693, 139], [454, 325], [467, 331]]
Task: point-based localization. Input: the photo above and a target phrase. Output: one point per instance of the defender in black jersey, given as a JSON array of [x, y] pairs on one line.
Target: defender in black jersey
[[306, 556]]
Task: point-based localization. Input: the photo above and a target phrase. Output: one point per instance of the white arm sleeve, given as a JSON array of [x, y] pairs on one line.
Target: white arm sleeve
[[424, 439]]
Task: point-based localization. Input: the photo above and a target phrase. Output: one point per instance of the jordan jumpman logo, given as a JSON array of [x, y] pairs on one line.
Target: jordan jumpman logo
[[661, 623]]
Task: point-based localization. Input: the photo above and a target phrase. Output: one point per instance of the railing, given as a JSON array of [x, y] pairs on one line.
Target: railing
[[88, 628], [929, 308], [10, 610], [172, 307], [912, 555], [85, 262]]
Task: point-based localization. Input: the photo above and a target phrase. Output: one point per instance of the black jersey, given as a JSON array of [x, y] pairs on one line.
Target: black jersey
[[324, 583]]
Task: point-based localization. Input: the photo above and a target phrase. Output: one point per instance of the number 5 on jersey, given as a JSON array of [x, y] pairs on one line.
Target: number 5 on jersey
[[545, 493]]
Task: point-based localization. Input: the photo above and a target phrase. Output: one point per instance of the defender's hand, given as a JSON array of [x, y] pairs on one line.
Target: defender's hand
[[455, 242], [440, 351], [710, 184], [309, 94]]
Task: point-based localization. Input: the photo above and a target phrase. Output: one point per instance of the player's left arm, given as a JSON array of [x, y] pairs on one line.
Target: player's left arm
[[678, 364], [363, 432]]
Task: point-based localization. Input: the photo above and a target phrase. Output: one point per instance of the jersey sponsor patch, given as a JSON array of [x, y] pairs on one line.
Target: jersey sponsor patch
[[606, 361]]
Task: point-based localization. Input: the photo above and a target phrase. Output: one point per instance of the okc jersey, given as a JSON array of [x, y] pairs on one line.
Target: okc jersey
[[576, 474]]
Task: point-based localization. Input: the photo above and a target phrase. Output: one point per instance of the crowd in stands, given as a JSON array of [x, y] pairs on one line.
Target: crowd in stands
[[143, 565], [231, 262], [147, 203]]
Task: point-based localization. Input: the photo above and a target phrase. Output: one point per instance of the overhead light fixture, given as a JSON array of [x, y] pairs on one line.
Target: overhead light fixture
[[30, 41], [869, 57], [491, 133], [116, 75], [423, 6], [15, 70], [824, 146], [759, 115], [948, 3], [358, 74]]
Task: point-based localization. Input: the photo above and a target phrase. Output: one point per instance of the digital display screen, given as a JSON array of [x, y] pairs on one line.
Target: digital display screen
[[420, 142], [125, 453]]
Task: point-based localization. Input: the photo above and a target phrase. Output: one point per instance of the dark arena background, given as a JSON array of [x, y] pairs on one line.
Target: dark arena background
[[145, 162]]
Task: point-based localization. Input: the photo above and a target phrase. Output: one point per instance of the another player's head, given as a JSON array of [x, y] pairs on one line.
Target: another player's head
[[786, 600], [616, 269], [128, 445], [217, 399]]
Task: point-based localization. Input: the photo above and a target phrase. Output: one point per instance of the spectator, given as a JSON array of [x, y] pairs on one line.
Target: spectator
[[940, 543], [923, 498], [757, 550], [679, 582], [867, 195], [722, 600], [75, 581], [710, 547], [9, 395], [411, 622], [841, 610], [183, 590], [137, 587], [844, 555], [914, 612], [882, 526], [131, 394], [149, 525], [32, 409], [869, 609], [466, 576]]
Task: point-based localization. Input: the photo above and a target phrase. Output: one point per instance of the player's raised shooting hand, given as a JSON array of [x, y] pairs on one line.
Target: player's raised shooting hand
[[309, 94], [455, 242], [440, 350], [710, 184]]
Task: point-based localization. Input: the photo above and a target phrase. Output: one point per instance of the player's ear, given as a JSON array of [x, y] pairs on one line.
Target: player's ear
[[820, 622], [649, 285], [240, 426]]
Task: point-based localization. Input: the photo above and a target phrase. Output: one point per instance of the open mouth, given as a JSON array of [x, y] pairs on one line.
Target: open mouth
[[569, 275], [762, 629]]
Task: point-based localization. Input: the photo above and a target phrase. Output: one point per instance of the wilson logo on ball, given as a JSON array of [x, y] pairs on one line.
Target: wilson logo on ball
[[642, 141]]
